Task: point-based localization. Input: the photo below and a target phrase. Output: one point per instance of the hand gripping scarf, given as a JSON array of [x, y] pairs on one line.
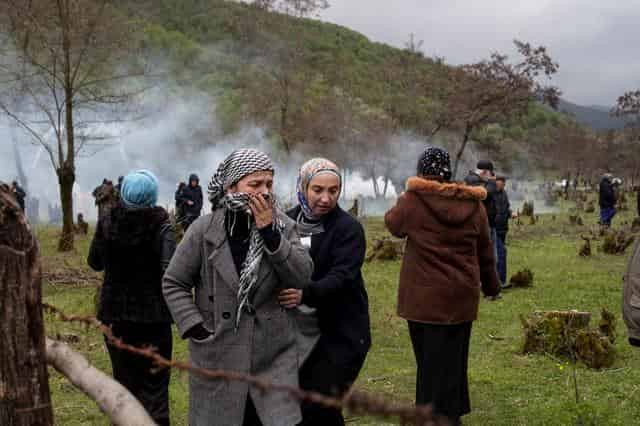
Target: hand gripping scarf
[[236, 166], [308, 171]]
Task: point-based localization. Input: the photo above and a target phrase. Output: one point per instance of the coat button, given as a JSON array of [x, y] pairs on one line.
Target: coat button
[[226, 315]]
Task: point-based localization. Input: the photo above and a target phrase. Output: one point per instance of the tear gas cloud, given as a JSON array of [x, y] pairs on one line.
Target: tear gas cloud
[[181, 138]]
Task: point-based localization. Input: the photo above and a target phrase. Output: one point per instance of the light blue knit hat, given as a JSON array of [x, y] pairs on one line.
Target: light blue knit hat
[[139, 189]]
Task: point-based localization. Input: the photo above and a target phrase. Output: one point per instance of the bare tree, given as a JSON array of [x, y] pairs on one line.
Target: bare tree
[[69, 61], [494, 90]]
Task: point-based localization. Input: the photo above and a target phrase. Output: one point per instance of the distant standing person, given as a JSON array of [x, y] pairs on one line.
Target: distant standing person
[[484, 177], [18, 193], [607, 200], [192, 200], [133, 245], [503, 215], [448, 260], [179, 199]]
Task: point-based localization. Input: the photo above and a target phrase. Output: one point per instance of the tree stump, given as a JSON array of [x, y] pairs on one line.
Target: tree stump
[[585, 250], [591, 207], [616, 242], [528, 209], [523, 278], [386, 249], [24, 384], [568, 334]]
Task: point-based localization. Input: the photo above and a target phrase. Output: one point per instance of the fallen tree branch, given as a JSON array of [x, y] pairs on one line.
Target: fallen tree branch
[[112, 398], [356, 402]]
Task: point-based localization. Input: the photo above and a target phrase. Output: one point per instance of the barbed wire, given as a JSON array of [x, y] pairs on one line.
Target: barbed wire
[[356, 402]]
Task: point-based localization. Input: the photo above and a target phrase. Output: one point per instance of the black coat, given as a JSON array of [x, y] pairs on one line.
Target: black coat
[[190, 193], [133, 247], [503, 211], [337, 289], [607, 194], [473, 179]]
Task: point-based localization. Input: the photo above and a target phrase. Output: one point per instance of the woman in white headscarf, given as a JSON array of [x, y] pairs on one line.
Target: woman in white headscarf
[[337, 245]]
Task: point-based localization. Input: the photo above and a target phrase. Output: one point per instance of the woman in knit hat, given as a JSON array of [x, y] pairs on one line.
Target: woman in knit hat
[[448, 261], [337, 245], [237, 259], [133, 244]]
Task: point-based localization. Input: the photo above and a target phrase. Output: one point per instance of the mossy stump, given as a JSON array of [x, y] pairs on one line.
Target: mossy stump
[[590, 207], [528, 209], [585, 249], [384, 249], [616, 242], [567, 334], [523, 278], [576, 220]]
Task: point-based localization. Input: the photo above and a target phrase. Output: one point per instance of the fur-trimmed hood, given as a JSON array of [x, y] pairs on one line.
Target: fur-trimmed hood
[[452, 203]]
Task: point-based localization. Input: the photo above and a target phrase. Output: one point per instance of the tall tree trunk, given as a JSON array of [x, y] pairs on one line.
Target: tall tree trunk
[[284, 111], [18, 159], [24, 387], [67, 170], [463, 146], [385, 187], [66, 179], [376, 188]]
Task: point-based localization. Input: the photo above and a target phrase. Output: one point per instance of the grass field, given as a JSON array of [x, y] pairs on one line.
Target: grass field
[[507, 388]]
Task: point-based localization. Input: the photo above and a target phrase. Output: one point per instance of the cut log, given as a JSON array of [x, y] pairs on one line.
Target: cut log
[[112, 398], [24, 387]]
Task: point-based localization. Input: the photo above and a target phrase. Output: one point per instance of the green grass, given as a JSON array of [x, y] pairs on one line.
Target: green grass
[[507, 388]]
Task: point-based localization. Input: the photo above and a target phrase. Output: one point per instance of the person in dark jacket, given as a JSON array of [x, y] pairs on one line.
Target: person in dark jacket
[[337, 246], [179, 200], [448, 260], [192, 200], [133, 245], [18, 193], [484, 177], [607, 200], [503, 215]]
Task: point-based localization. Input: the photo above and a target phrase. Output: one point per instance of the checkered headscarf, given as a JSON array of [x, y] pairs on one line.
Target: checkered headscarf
[[236, 166]]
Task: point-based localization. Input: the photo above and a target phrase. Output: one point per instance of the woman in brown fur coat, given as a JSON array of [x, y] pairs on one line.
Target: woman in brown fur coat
[[449, 259]]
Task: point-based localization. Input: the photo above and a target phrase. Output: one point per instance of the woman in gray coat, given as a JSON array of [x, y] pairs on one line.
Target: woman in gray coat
[[237, 259]]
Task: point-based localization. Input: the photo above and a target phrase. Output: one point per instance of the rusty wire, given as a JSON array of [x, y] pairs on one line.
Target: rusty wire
[[356, 402]]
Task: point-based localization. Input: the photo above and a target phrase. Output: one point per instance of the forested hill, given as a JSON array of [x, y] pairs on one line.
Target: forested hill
[[320, 87]]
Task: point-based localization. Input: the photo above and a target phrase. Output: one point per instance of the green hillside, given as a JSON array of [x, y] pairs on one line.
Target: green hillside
[[314, 86]]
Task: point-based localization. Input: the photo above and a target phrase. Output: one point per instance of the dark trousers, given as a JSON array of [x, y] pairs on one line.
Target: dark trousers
[[188, 220], [606, 215], [501, 245], [134, 371], [442, 353], [320, 374]]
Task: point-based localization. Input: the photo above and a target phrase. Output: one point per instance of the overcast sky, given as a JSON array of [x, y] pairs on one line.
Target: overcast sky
[[596, 42]]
